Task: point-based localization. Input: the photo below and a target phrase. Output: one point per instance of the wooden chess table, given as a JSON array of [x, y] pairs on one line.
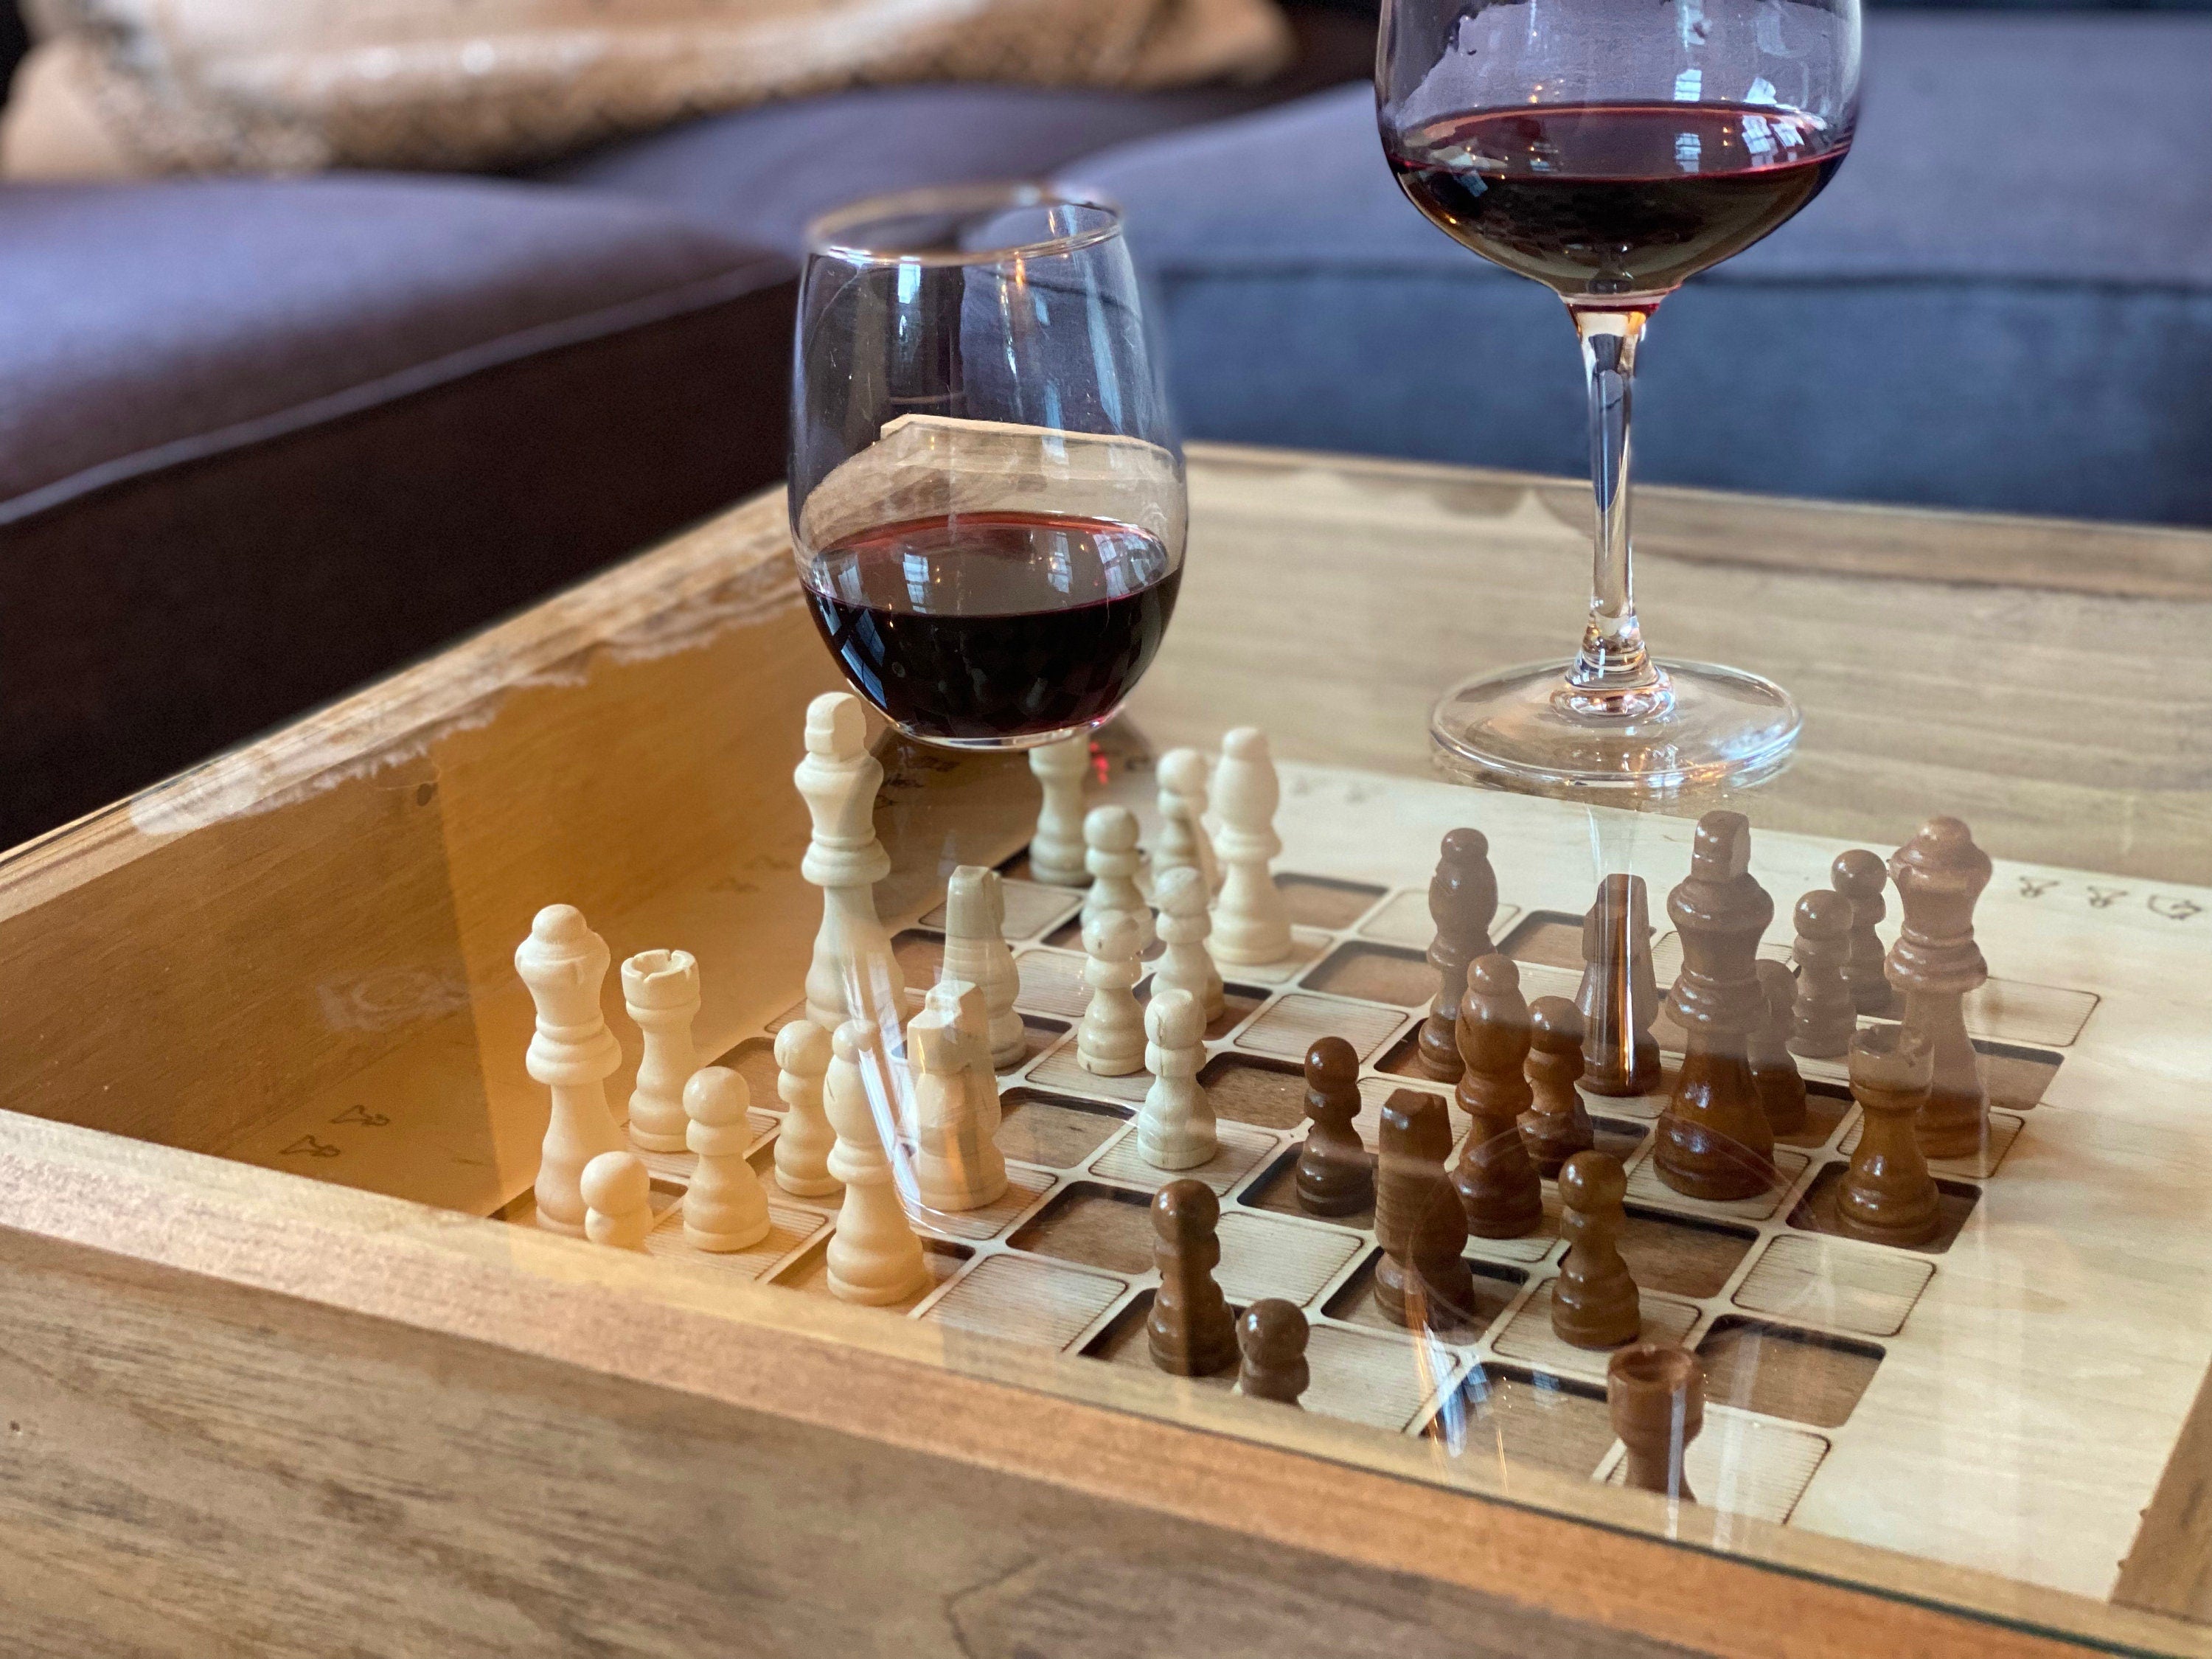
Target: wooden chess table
[[288, 1369]]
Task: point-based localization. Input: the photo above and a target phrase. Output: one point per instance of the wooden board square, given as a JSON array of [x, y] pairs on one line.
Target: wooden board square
[[2004, 1129], [1529, 1334], [1404, 919], [1375, 973], [1549, 939], [919, 956], [1061, 1069], [1290, 1028], [1028, 1300], [1843, 1284], [1525, 1417], [1644, 1183], [1031, 909], [810, 1273], [1099, 1226], [1325, 902], [1744, 1466], [2012, 1011], [1262, 1256], [1240, 1150], [1052, 982], [1679, 1256], [1276, 1190], [1363, 1378], [1307, 947], [1781, 1371], [1052, 1132], [1269, 1093], [790, 1229], [1495, 1287], [1024, 1189], [1816, 1210]]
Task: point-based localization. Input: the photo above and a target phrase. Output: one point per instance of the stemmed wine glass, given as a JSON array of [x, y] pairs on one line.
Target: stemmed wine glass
[[1610, 150]]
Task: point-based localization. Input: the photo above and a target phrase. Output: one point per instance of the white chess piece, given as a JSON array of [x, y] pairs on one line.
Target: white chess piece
[[564, 964], [1183, 840], [1187, 965], [957, 1164], [853, 958], [660, 988], [1056, 848], [1110, 1041], [975, 952], [874, 1256], [1110, 839], [1176, 1129], [726, 1207], [617, 1200], [803, 1143], [1251, 923]]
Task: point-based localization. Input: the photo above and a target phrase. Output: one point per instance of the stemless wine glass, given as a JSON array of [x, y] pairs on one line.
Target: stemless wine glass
[[987, 496], [1609, 149]]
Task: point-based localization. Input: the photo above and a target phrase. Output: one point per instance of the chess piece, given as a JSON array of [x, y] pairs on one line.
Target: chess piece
[[1191, 1331], [976, 953], [1056, 848], [1593, 1300], [874, 1256], [1773, 1070], [1556, 1125], [1939, 874], [853, 974], [1251, 923], [1714, 1141], [1110, 1041], [725, 1207], [1619, 998], [1463, 899], [1497, 1185], [803, 1143], [1271, 1342], [1887, 1196], [1859, 877], [1175, 1129], [617, 1192], [1824, 1015], [572, 1053], [1423, 1278], [1109, 840], [1186, 964], [1657, 1398], [661, 989], [957, 1162], [1184, 843], [1334, 1175]]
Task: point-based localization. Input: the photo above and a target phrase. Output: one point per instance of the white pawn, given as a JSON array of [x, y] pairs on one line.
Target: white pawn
[[1056, 848], [726, 1207], [1109, 836], [1187, 965], [1175, 1130], [977, 952], [1110, 1041], [956, 1163], [803, 1143], [660, 988], [1251, 923], [1183, 840], [853, 954], [617, 1200], [874, 1256], [564, 964]]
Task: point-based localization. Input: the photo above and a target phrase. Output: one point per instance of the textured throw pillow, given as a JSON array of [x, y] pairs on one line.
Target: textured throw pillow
[[137, 87]]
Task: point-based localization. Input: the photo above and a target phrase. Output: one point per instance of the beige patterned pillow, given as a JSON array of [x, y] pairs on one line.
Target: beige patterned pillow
[[136, 87]]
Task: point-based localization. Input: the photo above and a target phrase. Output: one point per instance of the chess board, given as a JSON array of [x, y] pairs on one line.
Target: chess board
[[2005, 1398]]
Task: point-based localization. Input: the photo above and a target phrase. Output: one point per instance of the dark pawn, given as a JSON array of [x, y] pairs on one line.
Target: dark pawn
[[1887, 1196], [1557, 1126], [1497, 1184], [1858, 875], [1617, 945], [1650, 1389], [1270, 1335], [1826, 1016], [1423, 1277], [1191, 1330], [1335, 1175], [1463, 899], [1773, 1069], [1593, 1300]]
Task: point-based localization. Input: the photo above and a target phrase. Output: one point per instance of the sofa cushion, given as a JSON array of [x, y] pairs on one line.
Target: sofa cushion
[[2021, 322]]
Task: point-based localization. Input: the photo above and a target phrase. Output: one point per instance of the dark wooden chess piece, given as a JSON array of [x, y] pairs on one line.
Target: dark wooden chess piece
[[1657, 1399], [1463, 899], [1593, 1300], [1335, 1176], [1618, 997], [1191, 1330], [1773, 1070], [1556, 1125], [1423, 1277], [1939, 874], [1713, 1141], [1859, 877], [1498, 1187], [1271, 1338], [1887, 1196], [1821, 1024]]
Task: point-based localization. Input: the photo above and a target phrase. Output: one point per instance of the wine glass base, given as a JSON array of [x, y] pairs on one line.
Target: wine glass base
[[1721, 728]]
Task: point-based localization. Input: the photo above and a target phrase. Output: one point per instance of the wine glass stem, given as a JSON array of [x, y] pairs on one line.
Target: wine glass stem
[[1613, 674]]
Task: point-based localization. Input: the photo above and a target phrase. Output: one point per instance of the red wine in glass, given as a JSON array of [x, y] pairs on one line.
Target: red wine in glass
[[983, 626]]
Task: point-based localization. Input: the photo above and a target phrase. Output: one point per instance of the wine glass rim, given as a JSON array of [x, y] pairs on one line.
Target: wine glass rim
[[829, 235]]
